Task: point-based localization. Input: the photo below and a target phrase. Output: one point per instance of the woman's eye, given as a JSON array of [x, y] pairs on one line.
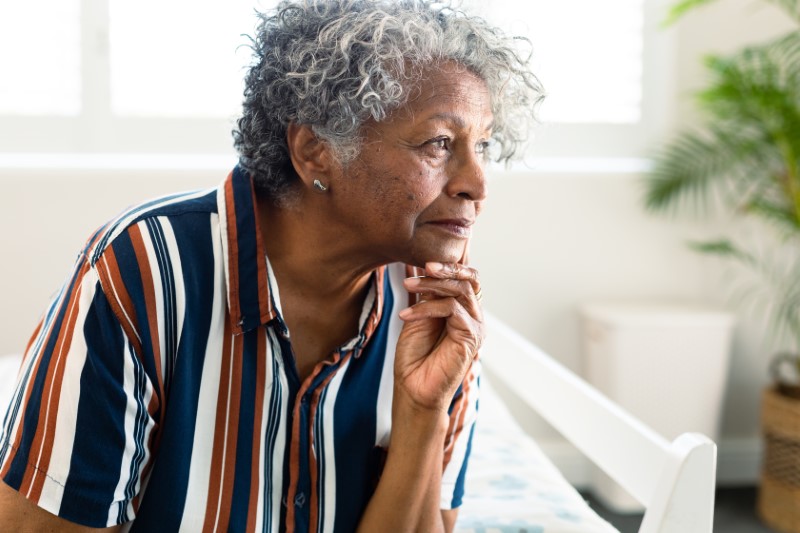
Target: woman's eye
[[483, 147], [441, 143]]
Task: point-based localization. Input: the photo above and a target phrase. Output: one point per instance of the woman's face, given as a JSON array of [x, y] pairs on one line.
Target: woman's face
[[417, 186]]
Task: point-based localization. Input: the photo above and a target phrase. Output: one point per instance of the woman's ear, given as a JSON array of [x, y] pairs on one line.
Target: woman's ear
[[311, 157]]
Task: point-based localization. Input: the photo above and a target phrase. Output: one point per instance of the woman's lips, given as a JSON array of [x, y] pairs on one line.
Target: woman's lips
[[457, 227]]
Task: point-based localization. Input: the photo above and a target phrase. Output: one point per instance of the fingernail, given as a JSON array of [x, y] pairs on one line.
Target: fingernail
[[405, 313], [412, 281], [434, 266]]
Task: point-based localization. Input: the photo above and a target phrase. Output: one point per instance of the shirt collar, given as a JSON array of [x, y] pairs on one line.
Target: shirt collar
[[249, 302]]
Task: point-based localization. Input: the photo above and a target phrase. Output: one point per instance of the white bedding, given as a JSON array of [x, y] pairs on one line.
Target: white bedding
[[512, 487]]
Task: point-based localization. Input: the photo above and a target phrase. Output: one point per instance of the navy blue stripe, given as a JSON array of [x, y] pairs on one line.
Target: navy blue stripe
[[284, 350], [100, 443], [246, 224], [458, 492], [322, 454], [358, 460]]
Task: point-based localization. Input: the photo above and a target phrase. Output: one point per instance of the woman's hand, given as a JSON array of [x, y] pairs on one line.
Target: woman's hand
[[441, 335]]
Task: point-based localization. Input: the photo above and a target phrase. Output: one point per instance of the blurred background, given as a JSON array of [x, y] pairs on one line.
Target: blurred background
[[104, 103]]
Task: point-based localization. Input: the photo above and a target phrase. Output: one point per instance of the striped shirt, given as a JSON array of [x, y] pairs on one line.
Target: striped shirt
[[160, 386]]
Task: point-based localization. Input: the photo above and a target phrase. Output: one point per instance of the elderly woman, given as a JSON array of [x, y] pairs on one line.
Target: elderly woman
[[295, 350]]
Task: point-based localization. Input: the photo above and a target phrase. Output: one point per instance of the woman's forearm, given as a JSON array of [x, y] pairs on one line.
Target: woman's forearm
[[407, 496]]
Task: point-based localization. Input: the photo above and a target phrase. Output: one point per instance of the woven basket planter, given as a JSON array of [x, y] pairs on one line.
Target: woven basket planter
[[779, 493]]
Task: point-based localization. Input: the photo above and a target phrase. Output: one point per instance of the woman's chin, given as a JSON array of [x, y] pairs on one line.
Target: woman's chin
[[450, 253]]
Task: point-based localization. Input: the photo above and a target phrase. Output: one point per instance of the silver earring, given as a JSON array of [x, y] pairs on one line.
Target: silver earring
[[319, 186]]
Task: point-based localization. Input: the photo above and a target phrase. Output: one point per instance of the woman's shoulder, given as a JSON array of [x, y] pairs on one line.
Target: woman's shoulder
[[178, 209]]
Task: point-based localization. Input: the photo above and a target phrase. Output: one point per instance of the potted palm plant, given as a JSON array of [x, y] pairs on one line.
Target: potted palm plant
[[747, 159]]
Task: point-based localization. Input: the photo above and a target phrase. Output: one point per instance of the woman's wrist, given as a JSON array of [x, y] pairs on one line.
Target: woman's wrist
[[410, 417]]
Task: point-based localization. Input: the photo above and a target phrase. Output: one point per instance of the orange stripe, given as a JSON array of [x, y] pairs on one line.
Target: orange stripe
[[223, 457], [33, 480], [294, 455], [312, 458], [294, 462], [255, 461], [456, 426], [214, 481], [233, 253], [377, 307]]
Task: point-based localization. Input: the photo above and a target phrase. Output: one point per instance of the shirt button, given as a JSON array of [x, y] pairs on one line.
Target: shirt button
[[300, 500]]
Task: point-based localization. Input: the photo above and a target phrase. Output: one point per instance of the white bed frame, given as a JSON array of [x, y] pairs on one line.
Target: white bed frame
[[674, 481]]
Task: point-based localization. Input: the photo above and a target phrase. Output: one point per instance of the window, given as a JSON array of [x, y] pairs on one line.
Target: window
[[115, 76], [33, 59], [605, 67], [588, 54]]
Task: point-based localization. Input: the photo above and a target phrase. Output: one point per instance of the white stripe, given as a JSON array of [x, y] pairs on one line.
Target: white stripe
[[128, 385], [327, 497], [131, 413], [66, 418], [453, 469], [205, 422], [383, 412], [262, 427], [177, 270], [279, 452], [222, 209]]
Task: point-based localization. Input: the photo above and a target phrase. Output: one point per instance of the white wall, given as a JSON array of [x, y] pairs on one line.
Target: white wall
[[546, 242]]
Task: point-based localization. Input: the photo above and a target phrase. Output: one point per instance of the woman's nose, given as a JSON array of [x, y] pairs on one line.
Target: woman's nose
[[468, 179]]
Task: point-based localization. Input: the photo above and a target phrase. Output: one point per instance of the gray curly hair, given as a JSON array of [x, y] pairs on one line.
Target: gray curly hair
[[334, 64]]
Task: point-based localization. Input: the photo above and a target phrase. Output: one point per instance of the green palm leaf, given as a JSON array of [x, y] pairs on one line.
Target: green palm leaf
[[723, 248], [692, 164], [681, 8]]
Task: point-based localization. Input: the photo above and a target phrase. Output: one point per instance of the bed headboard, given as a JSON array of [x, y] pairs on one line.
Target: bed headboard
[[674, 480]]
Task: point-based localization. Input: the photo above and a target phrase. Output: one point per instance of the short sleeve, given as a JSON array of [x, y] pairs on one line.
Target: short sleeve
[[76, 436], [458, 443]]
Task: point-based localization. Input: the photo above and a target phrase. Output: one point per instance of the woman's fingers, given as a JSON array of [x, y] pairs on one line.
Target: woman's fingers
[[430, 288], [454, 271], [459, 321], [449, 280]]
